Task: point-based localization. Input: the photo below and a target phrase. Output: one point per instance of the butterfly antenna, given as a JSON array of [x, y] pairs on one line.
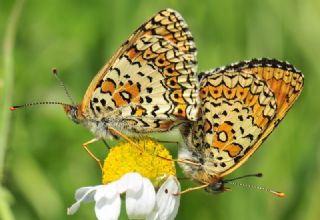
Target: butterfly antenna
[[55, 73], [278, 194], [12, 108], [245, 176], [231, 181]]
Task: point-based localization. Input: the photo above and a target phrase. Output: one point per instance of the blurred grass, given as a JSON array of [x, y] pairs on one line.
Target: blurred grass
[[44, 160], [6, 85]]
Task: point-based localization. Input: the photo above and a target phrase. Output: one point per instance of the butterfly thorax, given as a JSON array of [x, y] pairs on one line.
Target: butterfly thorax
[[203, 174]]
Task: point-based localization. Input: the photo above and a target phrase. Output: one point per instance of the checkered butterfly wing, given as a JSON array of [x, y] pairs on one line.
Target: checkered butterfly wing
[[241, 104], [150, 82]]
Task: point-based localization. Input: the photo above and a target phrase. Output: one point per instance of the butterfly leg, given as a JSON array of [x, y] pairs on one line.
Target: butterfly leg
[[106, 143], [119, 134], [85, 147], [191, 189], [178, 160]]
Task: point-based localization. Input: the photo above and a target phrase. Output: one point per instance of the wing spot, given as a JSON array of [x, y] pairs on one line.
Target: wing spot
[[125, 95], [250, 136], [148, 99], [103, 102], [172, 82], [222, 136], [149, 89]]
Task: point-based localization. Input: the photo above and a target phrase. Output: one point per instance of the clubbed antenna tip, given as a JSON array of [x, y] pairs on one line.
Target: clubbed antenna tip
[[279, 194], [12, 108], [54, 71]]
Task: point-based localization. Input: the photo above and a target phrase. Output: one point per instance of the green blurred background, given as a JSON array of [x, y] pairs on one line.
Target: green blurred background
[[44, 162]]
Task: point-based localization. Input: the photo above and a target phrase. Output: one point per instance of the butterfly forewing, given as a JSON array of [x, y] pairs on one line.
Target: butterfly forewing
[[150, 82]]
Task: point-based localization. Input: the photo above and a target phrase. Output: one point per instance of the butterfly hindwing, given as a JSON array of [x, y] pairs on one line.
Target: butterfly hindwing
[[150, 82], [283, 78], [236, 109], [286, 83], [240, 106]]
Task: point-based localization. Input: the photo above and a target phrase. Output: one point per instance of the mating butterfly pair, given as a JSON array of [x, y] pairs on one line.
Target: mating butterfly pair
[[151, 85]]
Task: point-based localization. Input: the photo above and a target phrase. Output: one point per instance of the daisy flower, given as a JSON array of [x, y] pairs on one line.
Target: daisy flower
[[148, 182]]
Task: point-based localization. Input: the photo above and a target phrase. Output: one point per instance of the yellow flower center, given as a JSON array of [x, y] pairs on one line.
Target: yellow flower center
[[125, 158]]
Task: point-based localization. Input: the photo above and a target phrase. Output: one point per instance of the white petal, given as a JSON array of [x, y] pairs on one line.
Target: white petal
[[129, 182], [108, 202], [154, 215], [84, 194], [81, 193], [108, 209], [140, 204], [167, 203], [108, 191]]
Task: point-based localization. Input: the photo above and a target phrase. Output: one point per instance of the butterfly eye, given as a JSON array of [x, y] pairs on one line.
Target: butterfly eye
[[74, 116], [215, 188]]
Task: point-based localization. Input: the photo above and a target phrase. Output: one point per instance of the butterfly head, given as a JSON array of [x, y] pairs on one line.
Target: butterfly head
[[72, 112], [216, 187]]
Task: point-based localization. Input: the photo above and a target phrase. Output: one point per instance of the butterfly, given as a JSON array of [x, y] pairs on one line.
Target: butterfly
[[148, 85], [241, 104]]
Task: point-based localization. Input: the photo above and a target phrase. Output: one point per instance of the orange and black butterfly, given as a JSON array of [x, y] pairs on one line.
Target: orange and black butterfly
[[148, 85], [240, 105]]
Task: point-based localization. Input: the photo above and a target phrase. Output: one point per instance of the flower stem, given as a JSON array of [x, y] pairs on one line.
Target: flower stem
[[6, 86]]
